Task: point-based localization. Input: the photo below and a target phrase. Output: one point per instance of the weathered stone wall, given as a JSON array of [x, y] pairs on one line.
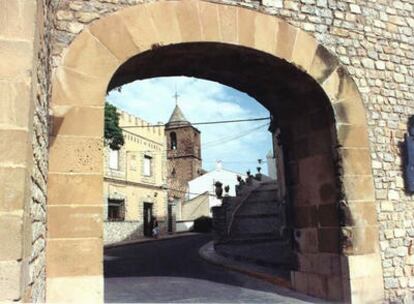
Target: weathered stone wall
[[24, 91], [374, 41], [115, 232], [37, 263]]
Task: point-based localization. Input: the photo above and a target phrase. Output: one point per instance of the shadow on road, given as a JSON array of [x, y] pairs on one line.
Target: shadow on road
[[177, 258]]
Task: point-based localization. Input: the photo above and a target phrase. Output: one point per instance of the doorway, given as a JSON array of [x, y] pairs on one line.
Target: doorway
[[148, 219]]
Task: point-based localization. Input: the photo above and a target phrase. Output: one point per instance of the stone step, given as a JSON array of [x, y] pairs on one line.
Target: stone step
[[257, 215], [268, 186], [255, 207], [256, 224], [258, 195], [253, 238]]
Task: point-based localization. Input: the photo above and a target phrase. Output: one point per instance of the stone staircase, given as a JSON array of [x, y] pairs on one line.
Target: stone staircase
[[252, 227]]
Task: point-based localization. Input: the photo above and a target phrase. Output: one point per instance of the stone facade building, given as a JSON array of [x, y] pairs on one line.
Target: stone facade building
[[135, 181], [337, 76]]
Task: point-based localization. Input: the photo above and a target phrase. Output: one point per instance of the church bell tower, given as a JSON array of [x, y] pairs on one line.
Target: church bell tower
[[183, 153]]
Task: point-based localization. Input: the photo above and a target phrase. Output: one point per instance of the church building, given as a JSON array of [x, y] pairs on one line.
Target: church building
[[183, 155]]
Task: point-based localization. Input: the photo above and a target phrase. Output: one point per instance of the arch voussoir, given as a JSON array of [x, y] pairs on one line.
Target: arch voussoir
[[304, 51], [163, 15], [87, 55], [323, 64], [265, 33], [76, 89], [228, 24], [119, 42], [208, 13], [286, 39], [188, 16]]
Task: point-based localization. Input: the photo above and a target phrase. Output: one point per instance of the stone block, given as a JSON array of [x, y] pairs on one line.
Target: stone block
[[328, 264], [362, 277], [356, 161], [349, 111], [119, 42], [88, 56], [335, 292], [352, 136], [273, 3], [14, 112], [328, 240], [306, 216], [228, 23], [265, 33], [209, 21], [341, 87], [317, 285], [300, 281], [307, 240], [78, 121], [142, 32], [359, 214], [286, 38], [75, 189], [304, 50], [11, 236], [164, 17], [323, 64], [10, 280], [359, 188], [189, 20], [13, 190], [362, 240], [75, 222], [75, 89], [75, 155], [20, 53], [17, 20], [89, 289], [317, 166], [367, 290], [74, 257], [15, 148], [328, 215], [87, 17], [247, 31], [307, 261]]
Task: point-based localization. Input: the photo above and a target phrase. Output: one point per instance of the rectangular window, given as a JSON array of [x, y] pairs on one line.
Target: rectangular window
[[116, 210], [147, 165], [133, 162], [114, 159]]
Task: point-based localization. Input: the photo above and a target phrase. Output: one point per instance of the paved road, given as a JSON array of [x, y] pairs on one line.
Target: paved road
[[171, 271]]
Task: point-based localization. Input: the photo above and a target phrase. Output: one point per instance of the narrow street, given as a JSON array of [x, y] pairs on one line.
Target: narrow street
[[172, 271]]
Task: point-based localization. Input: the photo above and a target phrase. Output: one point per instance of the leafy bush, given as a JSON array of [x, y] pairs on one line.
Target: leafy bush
[[203, 224]]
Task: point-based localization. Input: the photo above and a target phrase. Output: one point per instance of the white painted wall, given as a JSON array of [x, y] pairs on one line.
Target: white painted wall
[[206, 182]]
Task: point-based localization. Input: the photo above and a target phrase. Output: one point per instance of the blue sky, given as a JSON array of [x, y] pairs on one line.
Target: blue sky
[[237, 145]]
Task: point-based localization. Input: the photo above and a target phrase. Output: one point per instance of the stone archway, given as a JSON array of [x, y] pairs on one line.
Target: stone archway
[[74, 247]]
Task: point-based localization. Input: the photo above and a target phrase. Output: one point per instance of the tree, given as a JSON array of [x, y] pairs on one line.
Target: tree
[[113, 133]]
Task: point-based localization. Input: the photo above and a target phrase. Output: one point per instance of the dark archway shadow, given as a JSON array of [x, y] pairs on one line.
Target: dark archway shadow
[[174, 259]]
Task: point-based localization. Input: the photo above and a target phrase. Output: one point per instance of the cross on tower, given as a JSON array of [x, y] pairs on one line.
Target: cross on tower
[[176, 96]]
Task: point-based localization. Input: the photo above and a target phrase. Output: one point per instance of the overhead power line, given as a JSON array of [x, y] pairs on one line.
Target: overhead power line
[[225, 140], [210, 144], [202, 123]]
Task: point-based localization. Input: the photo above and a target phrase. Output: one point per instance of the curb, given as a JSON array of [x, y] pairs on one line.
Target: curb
[[208, 253], [143, 241]]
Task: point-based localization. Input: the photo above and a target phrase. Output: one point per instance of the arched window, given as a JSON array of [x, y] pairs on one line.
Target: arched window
[[173, 140]]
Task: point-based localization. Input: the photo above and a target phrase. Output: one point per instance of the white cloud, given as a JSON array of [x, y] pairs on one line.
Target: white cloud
[[201, 101]]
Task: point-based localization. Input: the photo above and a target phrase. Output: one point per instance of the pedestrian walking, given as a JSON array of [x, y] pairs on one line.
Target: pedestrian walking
[[155, 228]]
